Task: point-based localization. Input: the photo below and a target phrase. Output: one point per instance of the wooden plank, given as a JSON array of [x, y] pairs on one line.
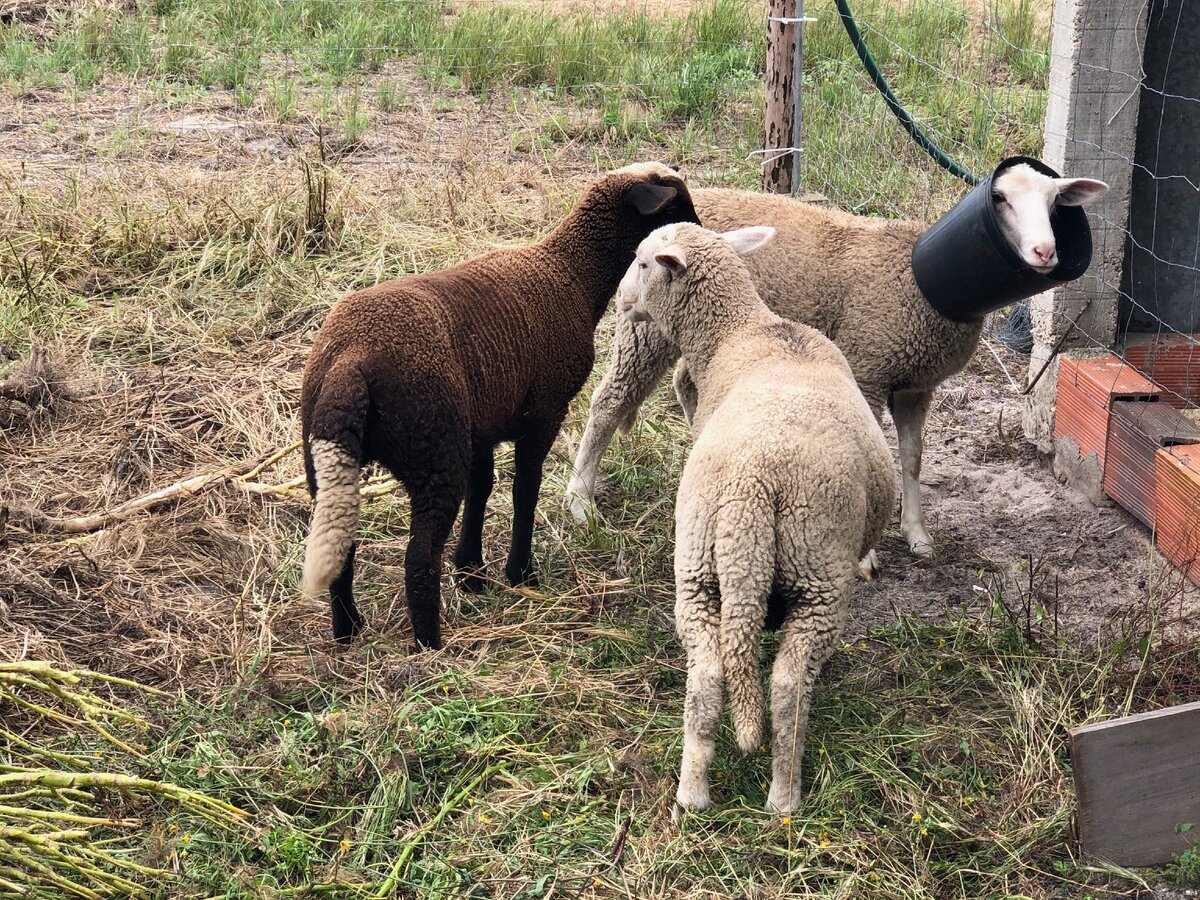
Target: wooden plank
[[1136, 779]]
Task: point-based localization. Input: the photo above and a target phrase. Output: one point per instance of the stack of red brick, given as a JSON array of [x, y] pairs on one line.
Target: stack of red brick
[[1129, 414]]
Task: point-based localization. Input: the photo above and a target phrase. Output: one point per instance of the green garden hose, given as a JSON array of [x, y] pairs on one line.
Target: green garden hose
[[923, 140]]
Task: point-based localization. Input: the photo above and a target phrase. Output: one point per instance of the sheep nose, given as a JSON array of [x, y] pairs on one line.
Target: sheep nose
[[1044, 252]]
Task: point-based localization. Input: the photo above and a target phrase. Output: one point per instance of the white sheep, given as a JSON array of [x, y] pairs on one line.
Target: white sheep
[[851, 278], [789, 484]]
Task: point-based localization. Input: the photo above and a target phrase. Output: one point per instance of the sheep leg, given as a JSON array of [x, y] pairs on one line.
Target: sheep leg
[[434, 508], [347, 620], [468, 556], [909, 409], [685, 392], [641, 356], [806, 640], [697, 617], [529, 457], [868, 567]]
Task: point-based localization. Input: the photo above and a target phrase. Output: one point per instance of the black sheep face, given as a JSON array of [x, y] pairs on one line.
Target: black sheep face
[[657, 203], [649, 195]]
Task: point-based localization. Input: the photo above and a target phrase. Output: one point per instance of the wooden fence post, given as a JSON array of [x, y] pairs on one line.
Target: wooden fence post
[[782, 92]]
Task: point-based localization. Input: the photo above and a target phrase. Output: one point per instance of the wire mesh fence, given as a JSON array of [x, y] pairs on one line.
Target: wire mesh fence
[[1125, 417]]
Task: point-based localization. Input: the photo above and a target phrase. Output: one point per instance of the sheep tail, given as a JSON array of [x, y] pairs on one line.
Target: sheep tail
[[745, 571], [333, 450]]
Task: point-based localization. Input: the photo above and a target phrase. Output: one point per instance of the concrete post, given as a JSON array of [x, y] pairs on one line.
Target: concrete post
[[1091, 119]]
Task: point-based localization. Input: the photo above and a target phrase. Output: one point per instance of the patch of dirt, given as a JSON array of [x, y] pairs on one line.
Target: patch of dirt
[[124, 124], [1005, 529]]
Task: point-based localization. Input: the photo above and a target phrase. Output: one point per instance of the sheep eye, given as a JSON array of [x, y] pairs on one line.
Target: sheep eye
[[998, 198], [642, 265]]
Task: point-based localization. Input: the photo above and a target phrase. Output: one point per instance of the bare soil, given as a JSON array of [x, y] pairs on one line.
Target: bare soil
[[1007, 530]]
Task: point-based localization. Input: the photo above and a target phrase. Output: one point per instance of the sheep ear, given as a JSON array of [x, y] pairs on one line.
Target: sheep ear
[[1079, 191], [673, 258], [747, 240], [648, 198]]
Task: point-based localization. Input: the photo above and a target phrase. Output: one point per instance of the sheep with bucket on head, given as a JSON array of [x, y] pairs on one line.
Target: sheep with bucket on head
[[788, 487], [850, 277]]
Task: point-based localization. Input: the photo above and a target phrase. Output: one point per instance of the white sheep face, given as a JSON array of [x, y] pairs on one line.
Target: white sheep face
[[660, 259], [1024, 199]]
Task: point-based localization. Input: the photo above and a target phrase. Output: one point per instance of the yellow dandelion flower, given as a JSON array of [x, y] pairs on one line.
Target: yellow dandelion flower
[[968, 800], [187, 838], [486, 820], [941, 642], [344, 845], [579, 818], [183, 853], [939, 667], [172, 828], [924, 832], [862, 645], [820, 751], [597, 882], [787, 820], [545, 815], [917, 817], [874, 876], [824, 844]]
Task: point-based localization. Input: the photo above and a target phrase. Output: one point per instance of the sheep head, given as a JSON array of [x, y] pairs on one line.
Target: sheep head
[[657, 277], [623, 206], [1025, 199]]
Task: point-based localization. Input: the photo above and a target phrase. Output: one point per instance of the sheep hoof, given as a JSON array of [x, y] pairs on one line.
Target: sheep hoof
[[920, 544], [780, 806], [581, 507], [684, 804], [521, 576], [471, 581], [869, 569], [347, 623]]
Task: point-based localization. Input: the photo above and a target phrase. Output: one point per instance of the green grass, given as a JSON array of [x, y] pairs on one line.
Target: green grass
[[978, 87], [935, 767], [1184, 869]]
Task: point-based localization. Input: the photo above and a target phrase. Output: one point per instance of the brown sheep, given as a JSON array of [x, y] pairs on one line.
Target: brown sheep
[[426, 374]]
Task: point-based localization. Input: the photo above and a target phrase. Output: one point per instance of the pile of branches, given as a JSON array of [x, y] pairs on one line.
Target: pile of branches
[[64, 827]]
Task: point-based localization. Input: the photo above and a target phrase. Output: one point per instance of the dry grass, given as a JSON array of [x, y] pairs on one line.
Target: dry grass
[[161, 278], [537, 748]]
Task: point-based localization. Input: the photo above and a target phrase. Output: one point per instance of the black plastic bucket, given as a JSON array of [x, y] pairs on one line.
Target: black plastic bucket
[[966, 268]]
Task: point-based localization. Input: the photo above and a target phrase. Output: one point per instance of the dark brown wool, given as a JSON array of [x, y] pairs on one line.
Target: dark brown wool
[[426, 374]]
